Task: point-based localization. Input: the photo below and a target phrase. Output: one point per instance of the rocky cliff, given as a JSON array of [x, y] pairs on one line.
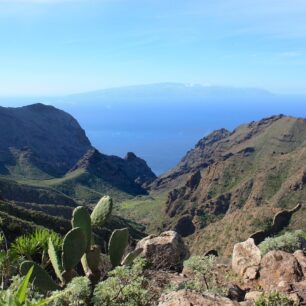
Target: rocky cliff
[[39, 141], [232, 183]]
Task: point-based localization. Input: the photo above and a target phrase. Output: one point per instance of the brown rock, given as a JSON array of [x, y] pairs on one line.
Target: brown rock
[[279, 270], [301, 258], [300, 289], [235, 293], [246, 259], [253, 295], [166, 251], [190, 298]]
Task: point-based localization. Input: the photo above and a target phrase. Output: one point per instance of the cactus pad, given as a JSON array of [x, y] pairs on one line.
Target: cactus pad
[[130, 257], [74, 246], [93, 258], [40, 278], [102, 211], [117, 244], [81, 219], [56, 264]]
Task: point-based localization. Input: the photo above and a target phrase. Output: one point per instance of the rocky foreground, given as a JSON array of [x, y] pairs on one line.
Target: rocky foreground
[[244, 279]]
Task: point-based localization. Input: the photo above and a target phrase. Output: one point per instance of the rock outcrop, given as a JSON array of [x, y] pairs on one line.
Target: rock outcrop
[[190, 298], [279, 270], [125, 174], [280, 221], [232, 184], [301, 258], [165, 252], [246, 259]]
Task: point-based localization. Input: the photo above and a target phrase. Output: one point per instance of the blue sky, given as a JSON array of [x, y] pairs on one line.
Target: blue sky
[[54, 47]]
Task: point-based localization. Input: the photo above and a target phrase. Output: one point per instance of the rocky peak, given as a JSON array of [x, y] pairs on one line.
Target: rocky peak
[[212, 138], [54, 137], [130, 156], [129, 173]]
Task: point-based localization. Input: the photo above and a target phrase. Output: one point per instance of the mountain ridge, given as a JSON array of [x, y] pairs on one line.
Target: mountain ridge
[[231, 184], [43, 146]]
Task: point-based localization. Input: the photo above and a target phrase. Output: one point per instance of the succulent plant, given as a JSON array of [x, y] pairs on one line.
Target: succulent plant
[[74, 246], [78, 246], [101, 212], [39, 277], [81, 218], [117, 245]]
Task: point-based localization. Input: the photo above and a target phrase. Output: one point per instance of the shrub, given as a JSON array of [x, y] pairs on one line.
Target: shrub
[[125, 286], [9, 262], [77, 293], [205, 277], [273, 299], [288, 242]]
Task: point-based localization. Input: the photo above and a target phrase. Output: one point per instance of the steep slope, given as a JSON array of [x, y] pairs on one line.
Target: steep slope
[[41, 146], [232, 183], [39, 141]]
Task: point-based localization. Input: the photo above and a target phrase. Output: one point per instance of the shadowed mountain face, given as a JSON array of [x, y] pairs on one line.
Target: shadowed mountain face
[[46, 147], [39, 141], [231, 184]]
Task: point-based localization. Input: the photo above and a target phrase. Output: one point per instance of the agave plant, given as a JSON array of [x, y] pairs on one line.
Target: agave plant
[[35, 243]]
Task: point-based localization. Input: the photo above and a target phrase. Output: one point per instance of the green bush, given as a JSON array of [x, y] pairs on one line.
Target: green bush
[[288, 242], [273, 299], [77, 293], [205, 278], [124, 286]]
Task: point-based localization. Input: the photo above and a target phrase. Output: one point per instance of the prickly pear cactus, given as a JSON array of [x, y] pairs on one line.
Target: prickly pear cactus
[[117, 245], [55, 261], [81, 219], [74, 246], [130, 257], [102, 211], [40, 278]]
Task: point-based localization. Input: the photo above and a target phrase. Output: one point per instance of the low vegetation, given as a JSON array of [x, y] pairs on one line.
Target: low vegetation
[[288, 242], [274, 299]]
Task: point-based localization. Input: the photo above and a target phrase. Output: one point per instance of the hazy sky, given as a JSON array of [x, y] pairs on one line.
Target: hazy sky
[[51, 47]]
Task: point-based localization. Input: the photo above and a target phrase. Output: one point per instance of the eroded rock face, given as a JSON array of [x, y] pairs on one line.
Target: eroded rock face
[[278, 271], [184, 226], [246, 259], [190, 298], [166, 251]]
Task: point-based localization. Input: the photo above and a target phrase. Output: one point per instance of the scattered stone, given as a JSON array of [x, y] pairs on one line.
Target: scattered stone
[[165, 252], [190, 298], [253, 295], [301, 258], [235, 293], [295, 297], [279, 270], [246, 259], [300, 289]]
